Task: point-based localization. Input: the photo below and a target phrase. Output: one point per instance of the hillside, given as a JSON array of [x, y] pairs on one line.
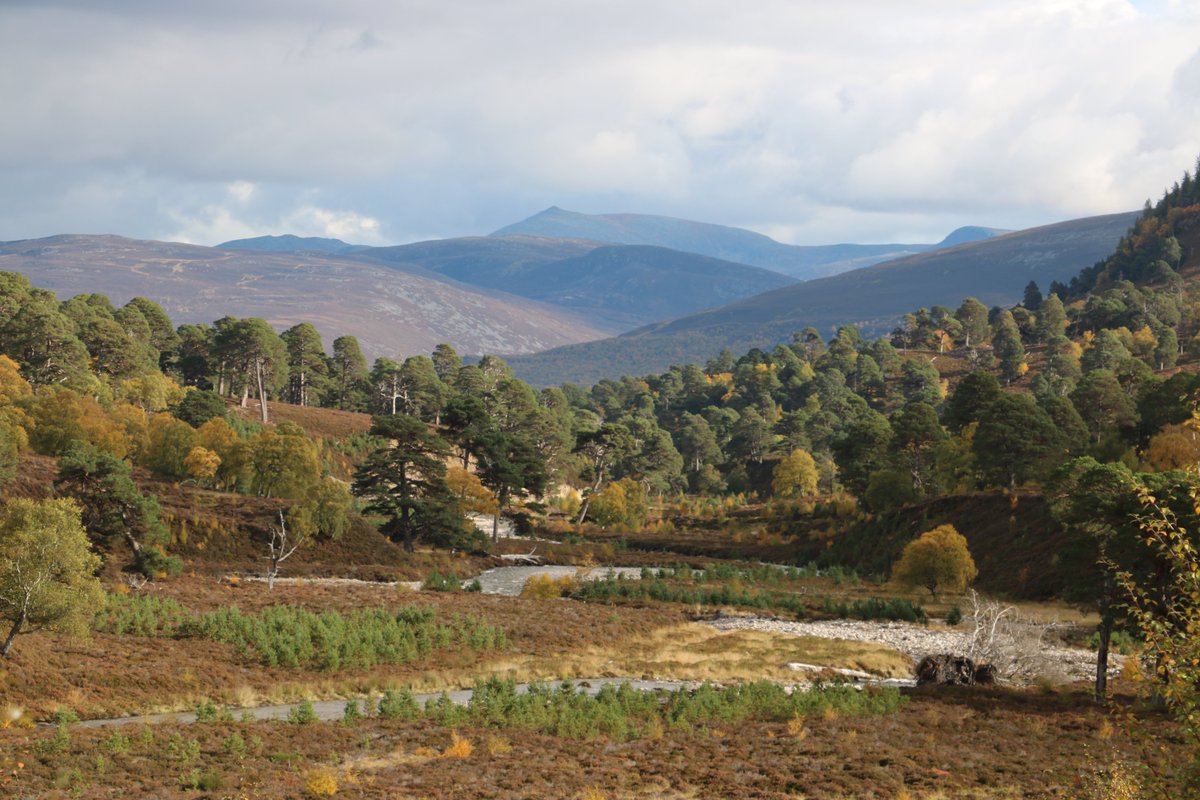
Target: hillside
[[994, 270], [720, 241], [392, 311], [613, 286]]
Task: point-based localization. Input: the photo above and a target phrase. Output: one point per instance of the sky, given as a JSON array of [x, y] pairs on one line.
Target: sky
[[390, 121]]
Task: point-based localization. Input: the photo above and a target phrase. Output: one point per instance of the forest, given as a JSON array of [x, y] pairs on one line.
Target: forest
[[1074, 413]]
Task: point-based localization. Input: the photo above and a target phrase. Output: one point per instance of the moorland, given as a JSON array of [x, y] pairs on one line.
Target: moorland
[[234, 563]]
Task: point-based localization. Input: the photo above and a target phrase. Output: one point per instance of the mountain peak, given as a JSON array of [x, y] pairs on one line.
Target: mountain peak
[[969, 233], [290, 243]]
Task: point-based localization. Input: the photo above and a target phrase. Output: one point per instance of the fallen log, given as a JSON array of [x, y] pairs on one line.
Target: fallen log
[[530, 558]]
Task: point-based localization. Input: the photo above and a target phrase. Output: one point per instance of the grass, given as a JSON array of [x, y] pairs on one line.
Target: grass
[[697, 652], [945, 743]]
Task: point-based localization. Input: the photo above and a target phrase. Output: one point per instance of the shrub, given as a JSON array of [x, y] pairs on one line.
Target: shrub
[[60, 742], [954, 616], [197, 781], [546, 586], [321, 783], [353, 712], [117, 743], [398, 705], [436, 583], [459, 747], [302, 714], [206, 711], [235, 745], [65, 716]]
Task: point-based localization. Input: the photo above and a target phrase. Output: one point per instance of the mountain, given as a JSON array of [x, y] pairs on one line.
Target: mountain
[[994, 270], [287, 243], [392, 311], [968, 233], [612, 285], [717, 241]]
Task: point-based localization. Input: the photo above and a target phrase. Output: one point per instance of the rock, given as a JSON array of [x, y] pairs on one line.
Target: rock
[[947, 670]]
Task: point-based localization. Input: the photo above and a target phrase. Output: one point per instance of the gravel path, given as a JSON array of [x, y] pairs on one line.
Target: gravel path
[[915, 641], [336, 709]]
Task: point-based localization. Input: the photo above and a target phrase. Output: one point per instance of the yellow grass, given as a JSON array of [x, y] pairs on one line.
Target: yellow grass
[[694, 651]]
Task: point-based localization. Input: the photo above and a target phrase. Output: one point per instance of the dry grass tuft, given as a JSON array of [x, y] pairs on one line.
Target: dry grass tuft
[[321, 783], [498, 746], [459, 748], [694, 651]]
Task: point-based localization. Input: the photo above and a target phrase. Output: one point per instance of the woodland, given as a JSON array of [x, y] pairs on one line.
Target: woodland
[[205, 519]]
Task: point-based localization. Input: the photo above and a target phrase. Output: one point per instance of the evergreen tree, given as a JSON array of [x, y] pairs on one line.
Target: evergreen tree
[[1016, 441], [972, 315], [1051, 319], [348, 368], [1006, 342], [307, 364], [405, 483], [114, 508], [1033, 297]]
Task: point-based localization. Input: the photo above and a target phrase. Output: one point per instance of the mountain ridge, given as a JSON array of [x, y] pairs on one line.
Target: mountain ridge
[[993, 270], [718, 241], [391, 311], [613, 285]]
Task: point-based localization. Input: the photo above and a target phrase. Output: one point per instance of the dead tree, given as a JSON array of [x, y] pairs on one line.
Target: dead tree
[[281, 546]]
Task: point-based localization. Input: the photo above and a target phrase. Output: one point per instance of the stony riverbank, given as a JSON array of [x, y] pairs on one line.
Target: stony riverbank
[[917, 641]]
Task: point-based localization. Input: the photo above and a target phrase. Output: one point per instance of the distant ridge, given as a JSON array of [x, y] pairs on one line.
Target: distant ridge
[[287, 243], [615, 286], [393, 312], [719, 241], [994, 270]]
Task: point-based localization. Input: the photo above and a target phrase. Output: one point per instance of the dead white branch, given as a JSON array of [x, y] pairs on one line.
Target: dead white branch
[[1014, 647], [281, 548]]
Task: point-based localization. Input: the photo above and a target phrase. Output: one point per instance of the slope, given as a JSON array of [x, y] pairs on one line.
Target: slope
[[720, 241], [994, 270], [623, 286], [391, 311]]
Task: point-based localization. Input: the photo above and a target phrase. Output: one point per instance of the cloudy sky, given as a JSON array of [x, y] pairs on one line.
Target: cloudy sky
[[390, 121]]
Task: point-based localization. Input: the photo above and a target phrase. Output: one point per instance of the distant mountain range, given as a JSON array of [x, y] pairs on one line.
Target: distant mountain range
[[392, 311], [994, 270], [720, 241], [546, 292], [611, 285]]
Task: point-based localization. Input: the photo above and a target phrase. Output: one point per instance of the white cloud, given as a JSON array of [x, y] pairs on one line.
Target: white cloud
[[366, 120], [240, 213]]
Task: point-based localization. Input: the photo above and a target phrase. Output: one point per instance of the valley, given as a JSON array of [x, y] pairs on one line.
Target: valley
[[940, 563]]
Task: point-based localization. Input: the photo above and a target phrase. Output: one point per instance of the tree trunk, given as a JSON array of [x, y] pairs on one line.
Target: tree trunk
[[12, 634], [501, 502], [588, 499], [1105, 630], [262, 395]]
